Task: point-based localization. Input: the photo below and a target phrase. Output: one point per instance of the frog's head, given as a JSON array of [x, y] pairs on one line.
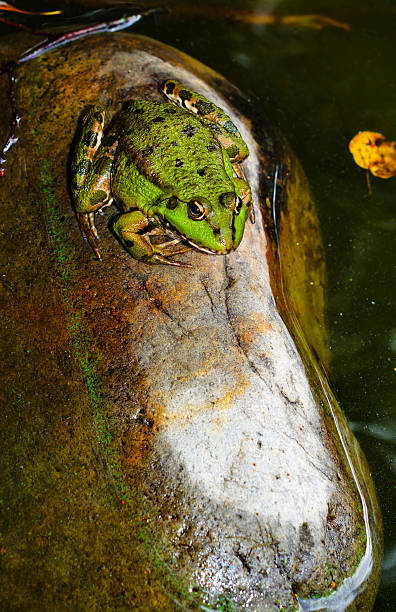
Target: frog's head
[[213, 225]]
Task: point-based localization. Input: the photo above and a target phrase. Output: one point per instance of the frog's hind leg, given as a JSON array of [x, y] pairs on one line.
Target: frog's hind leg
[[94, 195], [211, 115], [91, 173], [89, 137]]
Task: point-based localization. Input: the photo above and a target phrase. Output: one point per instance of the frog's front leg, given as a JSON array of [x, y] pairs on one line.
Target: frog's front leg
[[133, 231], [91, 171], [212, 116]]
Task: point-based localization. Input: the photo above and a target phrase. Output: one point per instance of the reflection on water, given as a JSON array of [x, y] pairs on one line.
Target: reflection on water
[[380, 431], [385, 434], [389, 567]]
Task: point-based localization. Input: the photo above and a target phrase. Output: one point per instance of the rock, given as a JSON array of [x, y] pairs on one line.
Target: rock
[[167, 445]]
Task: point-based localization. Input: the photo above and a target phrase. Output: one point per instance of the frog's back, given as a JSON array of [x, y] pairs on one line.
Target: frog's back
[[163, 125], [169, 144]]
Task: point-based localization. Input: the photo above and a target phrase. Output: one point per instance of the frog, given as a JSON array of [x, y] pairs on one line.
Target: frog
[[172, 167]]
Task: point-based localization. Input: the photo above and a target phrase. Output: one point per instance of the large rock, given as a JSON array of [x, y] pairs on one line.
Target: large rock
[[166, 443]]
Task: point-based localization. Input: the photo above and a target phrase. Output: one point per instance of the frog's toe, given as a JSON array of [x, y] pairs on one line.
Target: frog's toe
[[157, 258], [91, 221], [180, 250], [88, 231], [167, 249], [108, 203]]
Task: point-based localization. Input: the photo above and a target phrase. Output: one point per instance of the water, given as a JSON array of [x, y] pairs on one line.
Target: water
[[321, 86]]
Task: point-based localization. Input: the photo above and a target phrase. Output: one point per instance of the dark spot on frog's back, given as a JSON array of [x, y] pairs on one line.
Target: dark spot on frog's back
[[158, 119], [211, 148], [189, 130], [174, 143], [201, 171], [90, 139], [178, 163], [147, 151]]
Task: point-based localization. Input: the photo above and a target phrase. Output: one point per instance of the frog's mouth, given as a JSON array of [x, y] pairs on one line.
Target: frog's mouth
[[174, 233], [210, 251]]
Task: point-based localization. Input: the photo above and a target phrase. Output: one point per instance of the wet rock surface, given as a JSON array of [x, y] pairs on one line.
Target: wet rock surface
[[166, 443]]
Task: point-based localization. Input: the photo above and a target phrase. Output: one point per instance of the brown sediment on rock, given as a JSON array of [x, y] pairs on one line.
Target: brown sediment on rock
[[173, 445]]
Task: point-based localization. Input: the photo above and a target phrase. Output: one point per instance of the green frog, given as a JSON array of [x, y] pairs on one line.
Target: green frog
[[172, 168]]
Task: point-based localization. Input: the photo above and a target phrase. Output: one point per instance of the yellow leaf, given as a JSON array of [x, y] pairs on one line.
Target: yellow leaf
[[372, 151]]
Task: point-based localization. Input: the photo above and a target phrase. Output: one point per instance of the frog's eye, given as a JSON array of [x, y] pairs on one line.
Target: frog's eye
[[238, 206], [196, 210]]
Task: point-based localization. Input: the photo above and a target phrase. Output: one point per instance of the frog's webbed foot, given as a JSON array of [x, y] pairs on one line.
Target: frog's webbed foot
[[147, 242], [163, 249], [86, 223]]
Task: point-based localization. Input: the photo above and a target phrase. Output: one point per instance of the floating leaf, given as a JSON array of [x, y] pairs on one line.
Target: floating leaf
[[372, 151]]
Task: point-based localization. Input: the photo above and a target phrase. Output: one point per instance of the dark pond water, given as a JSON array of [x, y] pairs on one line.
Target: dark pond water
[[321, 86]]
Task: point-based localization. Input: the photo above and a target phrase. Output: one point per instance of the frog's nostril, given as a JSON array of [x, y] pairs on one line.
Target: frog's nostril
[[171, 203]]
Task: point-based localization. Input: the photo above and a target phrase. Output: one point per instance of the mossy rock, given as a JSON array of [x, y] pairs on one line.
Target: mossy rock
[[164, 443]]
